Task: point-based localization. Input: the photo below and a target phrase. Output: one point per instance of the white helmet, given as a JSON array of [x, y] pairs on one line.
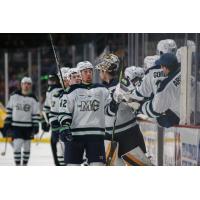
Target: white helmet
[[191, 44], [64, 71], [109, 62], [150, 61], [166, 46], [26, 80], [72, 71], [84, 65], [134, 72]]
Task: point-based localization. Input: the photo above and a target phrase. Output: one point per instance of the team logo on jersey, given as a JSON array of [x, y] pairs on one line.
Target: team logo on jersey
[[91, 105], [25, 107], [177, 81]]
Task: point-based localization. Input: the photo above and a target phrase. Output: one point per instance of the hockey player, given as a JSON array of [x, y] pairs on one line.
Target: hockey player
[[165, 105], [23, 114], [127, 132], [50, 106], [153, 76], [70, 77], [82, 119], [135, 75]]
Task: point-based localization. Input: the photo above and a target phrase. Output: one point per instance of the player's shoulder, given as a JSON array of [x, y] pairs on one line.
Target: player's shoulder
[[113, 83], [74, 87], [84, 86], [33, 96], [172, 79], [52, 87], [58, 93], [153, 68], [97, 85], [16, 92]]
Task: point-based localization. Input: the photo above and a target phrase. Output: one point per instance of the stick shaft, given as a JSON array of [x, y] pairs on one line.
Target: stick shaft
[[56, 58]]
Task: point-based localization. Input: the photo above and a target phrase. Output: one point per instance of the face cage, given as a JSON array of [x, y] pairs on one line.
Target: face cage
[[136, 81]]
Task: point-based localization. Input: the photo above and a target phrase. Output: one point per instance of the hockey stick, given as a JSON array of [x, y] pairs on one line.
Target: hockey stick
[[5, 147], [57, 59], [40, 138], [113, 144]]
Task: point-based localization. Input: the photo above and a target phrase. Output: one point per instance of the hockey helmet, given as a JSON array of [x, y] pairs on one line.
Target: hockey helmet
[[84, 65], [166, 46], [150, 61]]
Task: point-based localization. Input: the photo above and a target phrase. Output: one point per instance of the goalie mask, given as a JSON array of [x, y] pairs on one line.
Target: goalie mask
[[166, 46], [109, 63]]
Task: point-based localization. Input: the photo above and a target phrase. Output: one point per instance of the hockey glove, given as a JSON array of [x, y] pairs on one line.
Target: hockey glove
[[45, 126], [35, 130], [5, 129], [65, 134], [168, 119], [123, 91], [55, 125]]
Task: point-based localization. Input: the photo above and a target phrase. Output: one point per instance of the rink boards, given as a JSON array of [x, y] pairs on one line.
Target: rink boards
[[181, 145]]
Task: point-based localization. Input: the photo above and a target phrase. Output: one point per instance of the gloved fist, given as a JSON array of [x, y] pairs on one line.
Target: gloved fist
[[118, 94], [65, 134], [5, 129], [45, 126], [123, 91], [55, 124], [35, 129]]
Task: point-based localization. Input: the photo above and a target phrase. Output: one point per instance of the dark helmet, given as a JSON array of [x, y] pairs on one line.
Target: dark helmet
[[168, 60], [53, 79]]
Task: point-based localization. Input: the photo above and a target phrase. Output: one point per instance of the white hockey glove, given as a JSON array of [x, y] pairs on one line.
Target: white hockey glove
[[118, 94], [123, 91]]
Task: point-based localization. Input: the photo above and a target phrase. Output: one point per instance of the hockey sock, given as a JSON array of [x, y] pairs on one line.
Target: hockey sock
[[26, 156], [17, 158]]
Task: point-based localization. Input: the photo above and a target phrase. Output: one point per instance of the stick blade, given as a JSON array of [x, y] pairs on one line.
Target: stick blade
[[136, 157], [3, 153]]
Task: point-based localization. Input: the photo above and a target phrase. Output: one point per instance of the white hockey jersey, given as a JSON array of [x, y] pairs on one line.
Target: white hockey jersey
[[23, 111], [166, 98], [54, 109], [83, 109], [125, 116], [49, 102], [149, 85]]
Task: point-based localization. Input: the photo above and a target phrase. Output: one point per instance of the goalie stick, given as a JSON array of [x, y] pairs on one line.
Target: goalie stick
[[5, 147], [113, 146]]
